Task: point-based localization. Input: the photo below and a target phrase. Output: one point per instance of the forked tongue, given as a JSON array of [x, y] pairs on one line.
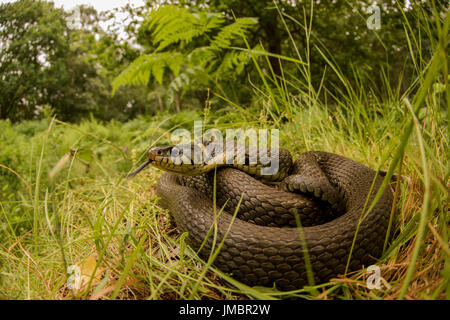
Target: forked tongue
[[142, 166]]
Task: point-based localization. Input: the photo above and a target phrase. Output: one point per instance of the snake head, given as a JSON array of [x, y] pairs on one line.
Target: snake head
[[180, 159], [155, 155]]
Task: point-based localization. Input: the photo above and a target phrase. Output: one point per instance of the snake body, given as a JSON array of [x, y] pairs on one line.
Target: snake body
[[263, 245]]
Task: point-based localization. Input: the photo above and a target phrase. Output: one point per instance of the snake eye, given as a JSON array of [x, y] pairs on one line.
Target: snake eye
[[159, 153]]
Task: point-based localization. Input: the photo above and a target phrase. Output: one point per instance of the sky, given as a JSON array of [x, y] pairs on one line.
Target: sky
[[99, 5]]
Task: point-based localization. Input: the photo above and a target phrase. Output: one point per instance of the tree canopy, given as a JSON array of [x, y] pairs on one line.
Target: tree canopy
[[178, 55], [49, 63]]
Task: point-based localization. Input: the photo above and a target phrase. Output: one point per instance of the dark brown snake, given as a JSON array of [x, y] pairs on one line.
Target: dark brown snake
[[264, 247]]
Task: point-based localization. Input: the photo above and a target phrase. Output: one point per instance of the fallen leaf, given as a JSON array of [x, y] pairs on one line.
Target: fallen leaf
[[87, 268]]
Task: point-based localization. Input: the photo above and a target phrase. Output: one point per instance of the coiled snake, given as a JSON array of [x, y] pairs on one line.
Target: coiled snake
[[264, 246]]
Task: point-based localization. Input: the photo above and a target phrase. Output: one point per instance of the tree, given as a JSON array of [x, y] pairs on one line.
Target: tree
[[33, 51], [96, 57], [336, 28], [47, 62]]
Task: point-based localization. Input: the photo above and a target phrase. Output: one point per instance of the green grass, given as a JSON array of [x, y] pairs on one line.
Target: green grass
[[89, 209], [64, 200]]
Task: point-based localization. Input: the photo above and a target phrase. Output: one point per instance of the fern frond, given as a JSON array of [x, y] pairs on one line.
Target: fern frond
[[202, 56], [238, 29], [140, 71], [237, 60], [192, 67], [170, 25]]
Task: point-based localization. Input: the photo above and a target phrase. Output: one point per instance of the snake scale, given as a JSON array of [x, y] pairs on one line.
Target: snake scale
[[263, 245]]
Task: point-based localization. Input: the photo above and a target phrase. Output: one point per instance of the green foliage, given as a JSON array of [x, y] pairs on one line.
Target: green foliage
[[172, 25], [47, 63], [33, 55], [307, 29], [197, 51], [62, 192], [65, 63], [141, 69], [238, 29]]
